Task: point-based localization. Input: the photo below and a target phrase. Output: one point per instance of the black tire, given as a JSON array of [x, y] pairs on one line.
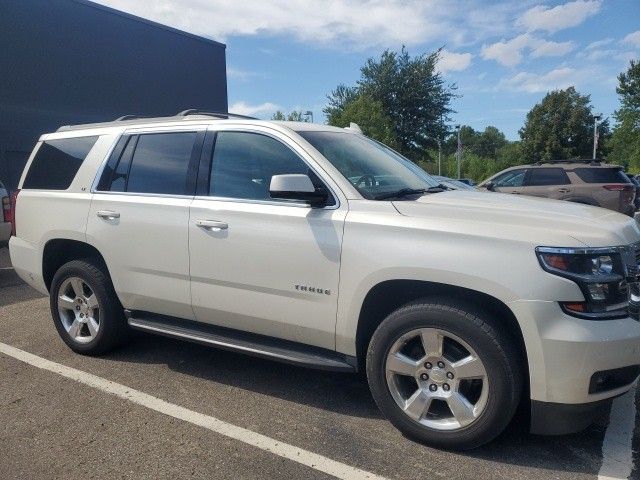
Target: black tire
[[113, 328], [497, 350]]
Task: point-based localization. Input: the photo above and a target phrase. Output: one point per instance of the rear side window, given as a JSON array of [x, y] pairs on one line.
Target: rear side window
[[601, 175], [57, 162], [547, 176]]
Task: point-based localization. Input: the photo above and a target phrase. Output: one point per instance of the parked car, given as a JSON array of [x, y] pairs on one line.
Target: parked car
[[453, 184], [5, 220], [467, 181], [636, 182], [316, 246], [580, 181]]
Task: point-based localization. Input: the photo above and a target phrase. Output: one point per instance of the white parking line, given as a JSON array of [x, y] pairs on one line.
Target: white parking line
[[276, 447], [617, 453]]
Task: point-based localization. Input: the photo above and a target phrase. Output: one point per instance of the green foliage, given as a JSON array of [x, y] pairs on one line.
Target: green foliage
[[294, 116], [370, 117], [625, 141], [561, 126], [412, 94]]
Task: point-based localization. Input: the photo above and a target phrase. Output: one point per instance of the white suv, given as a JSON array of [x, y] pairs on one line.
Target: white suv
[[319, 247]]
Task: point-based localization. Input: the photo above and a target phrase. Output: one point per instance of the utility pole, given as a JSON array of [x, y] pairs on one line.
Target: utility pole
[[459, 150], [309, 114], [439, 157], [595, 134]]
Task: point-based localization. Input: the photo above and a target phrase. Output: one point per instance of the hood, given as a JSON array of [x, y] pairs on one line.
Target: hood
[[543, 221]]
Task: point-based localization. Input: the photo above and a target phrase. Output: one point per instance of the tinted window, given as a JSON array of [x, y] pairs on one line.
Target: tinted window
[[243, 164], [601, 175], [547, 176], [57, 162], [160, 163], [514, 178]]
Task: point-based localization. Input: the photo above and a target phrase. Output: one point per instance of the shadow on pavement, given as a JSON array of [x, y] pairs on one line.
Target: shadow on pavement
[[348, 394]]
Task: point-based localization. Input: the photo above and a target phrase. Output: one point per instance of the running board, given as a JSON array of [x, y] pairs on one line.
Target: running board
[[251, 344]]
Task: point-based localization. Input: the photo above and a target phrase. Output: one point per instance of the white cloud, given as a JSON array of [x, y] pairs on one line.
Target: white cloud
[[453, 62], [533, 82], [560, 17], [599, 43], [368, 22], [632, 39], [262, 109], [239, 74], [510, 52]]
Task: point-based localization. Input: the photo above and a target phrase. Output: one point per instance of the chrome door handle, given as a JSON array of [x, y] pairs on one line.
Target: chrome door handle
[[563, 190], [107, 214], [213, 225]]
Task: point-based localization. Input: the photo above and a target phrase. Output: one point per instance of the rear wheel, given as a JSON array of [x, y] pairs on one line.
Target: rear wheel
[[444, 375], [85, 308]]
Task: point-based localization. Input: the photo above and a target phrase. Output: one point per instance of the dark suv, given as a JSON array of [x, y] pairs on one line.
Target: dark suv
[[581, 181]]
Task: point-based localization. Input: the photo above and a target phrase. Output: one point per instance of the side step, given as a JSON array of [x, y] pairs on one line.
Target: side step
[[249, 343]]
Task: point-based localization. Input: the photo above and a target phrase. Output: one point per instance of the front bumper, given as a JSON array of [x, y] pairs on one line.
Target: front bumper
[[565, 352]]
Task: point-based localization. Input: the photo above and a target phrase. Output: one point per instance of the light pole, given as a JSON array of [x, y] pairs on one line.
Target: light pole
[[459, 150], [439, 157], [309, 114], [595, 134]]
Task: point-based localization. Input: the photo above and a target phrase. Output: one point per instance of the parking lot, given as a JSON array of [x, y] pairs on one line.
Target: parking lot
[[161, 408]]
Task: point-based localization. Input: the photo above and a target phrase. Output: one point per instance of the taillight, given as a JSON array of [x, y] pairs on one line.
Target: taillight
[[10, 214], [620, 187]]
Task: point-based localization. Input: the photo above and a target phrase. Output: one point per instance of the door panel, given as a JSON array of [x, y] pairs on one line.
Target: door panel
[[146, 248], [274, 270]]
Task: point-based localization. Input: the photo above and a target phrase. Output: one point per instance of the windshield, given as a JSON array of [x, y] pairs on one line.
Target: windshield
[[372, 168]]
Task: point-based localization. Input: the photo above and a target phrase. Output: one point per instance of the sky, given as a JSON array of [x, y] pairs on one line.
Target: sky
[[503, 56]]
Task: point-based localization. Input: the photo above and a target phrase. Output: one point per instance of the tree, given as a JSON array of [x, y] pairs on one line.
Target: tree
[[294, 116], [412, 94], [560, 127], [370, 117], [625, 141]]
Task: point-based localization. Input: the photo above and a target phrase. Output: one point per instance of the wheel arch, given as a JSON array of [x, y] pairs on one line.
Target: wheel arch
[[58, 251], [389, 295]]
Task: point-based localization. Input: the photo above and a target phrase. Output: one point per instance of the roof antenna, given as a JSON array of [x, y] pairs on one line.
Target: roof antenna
[[354, 127]]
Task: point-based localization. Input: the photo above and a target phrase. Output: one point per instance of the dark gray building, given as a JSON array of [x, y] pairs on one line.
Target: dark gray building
[[73, 61]]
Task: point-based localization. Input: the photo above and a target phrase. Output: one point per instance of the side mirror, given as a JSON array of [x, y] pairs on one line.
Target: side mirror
[[490, 186], [297, 187]]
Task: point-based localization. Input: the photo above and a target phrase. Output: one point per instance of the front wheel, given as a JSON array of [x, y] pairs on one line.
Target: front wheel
[[444, 375]]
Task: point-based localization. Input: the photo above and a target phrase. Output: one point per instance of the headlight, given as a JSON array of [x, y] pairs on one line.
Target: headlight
[[601, 275]]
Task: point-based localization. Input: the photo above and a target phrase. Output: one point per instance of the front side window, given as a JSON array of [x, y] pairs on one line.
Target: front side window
[[160, 164], [372, 168], [514, 178], [547, 176], [57, 162], [243, 164]]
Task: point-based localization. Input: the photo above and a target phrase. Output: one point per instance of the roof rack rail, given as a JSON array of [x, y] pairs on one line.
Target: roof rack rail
[[127, 117], [194, 111], [590, 161]]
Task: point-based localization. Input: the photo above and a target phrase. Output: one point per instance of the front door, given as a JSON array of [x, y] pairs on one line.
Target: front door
[[258, 264]]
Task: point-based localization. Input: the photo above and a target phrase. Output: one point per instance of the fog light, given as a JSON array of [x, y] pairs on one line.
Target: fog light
[[598, 291]]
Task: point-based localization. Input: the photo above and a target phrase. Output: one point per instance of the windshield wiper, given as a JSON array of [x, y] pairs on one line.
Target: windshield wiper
[[403, 192]]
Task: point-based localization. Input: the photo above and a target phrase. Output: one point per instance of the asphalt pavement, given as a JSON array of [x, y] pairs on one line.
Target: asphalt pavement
[[60, 425]]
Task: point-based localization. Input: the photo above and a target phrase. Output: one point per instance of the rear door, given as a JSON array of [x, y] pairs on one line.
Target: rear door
[[139, 218], [551, 182]]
